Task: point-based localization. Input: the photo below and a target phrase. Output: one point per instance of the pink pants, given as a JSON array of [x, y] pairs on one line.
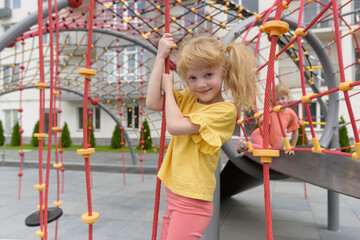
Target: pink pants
[[185, 218]]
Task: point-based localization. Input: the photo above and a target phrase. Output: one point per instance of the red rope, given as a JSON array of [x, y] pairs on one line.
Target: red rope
[[163, 131], [21, 153]]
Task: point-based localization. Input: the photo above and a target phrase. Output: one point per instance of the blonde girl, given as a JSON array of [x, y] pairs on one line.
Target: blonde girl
[[200, 121]]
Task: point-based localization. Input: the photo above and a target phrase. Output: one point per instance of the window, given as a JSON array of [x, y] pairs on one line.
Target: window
[[357, 67], [47, 118], [95, 117], [11, 118], [133, 117], [11, 74], [317, 115], [13, 3]]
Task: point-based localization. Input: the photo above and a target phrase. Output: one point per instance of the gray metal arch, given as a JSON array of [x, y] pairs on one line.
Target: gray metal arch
[[100, 105], [330, 76]]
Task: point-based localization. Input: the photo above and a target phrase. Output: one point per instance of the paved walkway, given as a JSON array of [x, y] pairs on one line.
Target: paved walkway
[[126, 210]]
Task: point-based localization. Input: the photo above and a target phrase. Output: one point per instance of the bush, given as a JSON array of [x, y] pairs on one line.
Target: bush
[[2, 138], [15, 137], [34, 141], [147, 138], [92, 137], [116, 138], [300, 138], [344, 140], [65, 136]]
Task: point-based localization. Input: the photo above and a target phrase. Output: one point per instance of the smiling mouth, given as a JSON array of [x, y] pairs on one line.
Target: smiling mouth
[[204, 91]]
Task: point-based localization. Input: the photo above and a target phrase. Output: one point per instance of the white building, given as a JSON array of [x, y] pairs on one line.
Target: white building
[[73, 47]]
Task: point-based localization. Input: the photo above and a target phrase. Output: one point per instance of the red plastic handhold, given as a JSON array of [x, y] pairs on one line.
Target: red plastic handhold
[[20, 174], [59, 111], [21, 153], [21, 130], [62, 169], [21, 87], [20, 110], [122, 144], [141, 159], [95, 101]]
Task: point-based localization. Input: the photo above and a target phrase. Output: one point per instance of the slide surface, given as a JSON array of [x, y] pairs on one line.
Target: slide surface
[[333, 172]]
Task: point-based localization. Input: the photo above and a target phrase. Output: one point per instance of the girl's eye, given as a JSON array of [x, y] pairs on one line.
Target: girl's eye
[[208, 75], [192, 78]]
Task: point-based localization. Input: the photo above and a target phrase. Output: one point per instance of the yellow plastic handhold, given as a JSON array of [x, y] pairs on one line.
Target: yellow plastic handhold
[[127, 19], [257, 115], [223, 25], [356, 154], [241, 8], [39, 187], [261, 28], [40, 136], [38, 207], [250, 148], [287, 146], [240, 121], [290, 47], [175, 46], [40, 233], [276, 28], [57, 165], [240, 16], [146, 35], [107, 6], [285, 5], [258, 17], [226, 10], [300, 32], [310, 1], [87, 73], [179, 1], [306, 99], [190, 31], [211, 4], [57, 203], [316, 148], [173, 19], [55, 129], [278, 108], [352, 31], [85, 152], [90, 219], [345, 86], [311, 81], [266, 154], [155, 29], [40, 85], [56, 93], [193, 10], [158, 7]]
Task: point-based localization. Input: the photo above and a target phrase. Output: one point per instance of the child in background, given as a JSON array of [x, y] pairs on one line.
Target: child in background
[[200, 121], [289, 120]]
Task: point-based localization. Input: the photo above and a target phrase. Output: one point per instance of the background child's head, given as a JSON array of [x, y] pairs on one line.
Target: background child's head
[[236, 61], [281, 91]]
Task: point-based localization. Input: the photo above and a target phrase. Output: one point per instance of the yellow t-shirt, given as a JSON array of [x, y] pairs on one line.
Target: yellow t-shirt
[[189, 166]]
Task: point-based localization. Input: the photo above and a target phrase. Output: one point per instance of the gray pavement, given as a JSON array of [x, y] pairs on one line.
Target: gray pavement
[[126, 210]]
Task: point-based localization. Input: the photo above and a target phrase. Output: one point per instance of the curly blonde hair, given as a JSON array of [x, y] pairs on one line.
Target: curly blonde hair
[[235, 59]]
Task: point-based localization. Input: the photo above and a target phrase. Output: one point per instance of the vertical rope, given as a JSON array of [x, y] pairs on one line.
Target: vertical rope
[[163, 131], [21, 88]]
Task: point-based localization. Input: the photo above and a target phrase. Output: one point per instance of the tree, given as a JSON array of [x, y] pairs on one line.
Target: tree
[[344, 140], [2, 138], [65, 136], [116, 138], [34, 141], [147, 138], [15, 137]]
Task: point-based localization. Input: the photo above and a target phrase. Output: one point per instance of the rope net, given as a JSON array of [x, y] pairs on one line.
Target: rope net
[[123, 44]]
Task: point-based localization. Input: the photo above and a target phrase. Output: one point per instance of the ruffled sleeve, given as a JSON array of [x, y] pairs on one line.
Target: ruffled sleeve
[[217, 122]]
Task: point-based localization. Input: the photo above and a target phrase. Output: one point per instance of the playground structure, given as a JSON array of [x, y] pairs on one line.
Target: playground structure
[[122, 72]]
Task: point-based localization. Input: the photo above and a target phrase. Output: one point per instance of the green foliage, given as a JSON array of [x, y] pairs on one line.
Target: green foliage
[[65, 136], [92, 137], [2, 138], [34, 141], [15, 137], [300, 138], [344, 140], [147, 138], [116, 138]]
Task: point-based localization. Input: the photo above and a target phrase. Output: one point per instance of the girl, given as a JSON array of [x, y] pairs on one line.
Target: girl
[[289, 120], [200, 121]]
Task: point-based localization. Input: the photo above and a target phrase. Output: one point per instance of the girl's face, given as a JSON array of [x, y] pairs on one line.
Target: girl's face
[[282, 100], [206, 84]]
